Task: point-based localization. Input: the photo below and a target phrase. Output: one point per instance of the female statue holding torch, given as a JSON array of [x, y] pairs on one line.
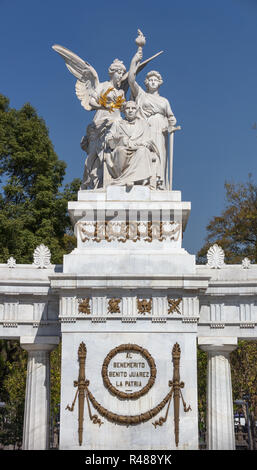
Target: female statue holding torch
[[156, 110]]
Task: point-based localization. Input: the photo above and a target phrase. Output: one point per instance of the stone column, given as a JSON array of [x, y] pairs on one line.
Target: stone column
[[37, 400], [220, 419]]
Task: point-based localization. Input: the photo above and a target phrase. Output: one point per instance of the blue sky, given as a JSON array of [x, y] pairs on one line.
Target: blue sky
[[209, 69]]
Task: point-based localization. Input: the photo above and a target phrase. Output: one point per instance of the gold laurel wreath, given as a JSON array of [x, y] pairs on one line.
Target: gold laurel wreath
[[102, 100]]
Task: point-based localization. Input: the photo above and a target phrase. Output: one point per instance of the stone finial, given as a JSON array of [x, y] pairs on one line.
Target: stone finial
[[11, 262], [246, 263], [215, 257], [42, 256]]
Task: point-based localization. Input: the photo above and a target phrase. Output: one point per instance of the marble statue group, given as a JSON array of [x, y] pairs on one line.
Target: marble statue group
[[129, 150]]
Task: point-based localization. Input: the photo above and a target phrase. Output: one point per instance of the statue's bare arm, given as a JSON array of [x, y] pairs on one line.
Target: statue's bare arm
[[133, 71]]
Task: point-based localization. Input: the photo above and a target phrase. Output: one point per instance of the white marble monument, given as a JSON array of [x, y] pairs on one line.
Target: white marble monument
[[129, 302]]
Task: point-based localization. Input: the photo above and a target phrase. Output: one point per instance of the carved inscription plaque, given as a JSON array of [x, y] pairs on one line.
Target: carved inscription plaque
[[129, 371]]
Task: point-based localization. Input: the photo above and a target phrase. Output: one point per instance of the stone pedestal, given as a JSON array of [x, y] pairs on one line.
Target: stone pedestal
[[129, 232], [128, 292], [107, 425], [220, 419], [37, 404]]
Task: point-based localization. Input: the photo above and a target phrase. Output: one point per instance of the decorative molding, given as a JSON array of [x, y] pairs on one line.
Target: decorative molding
[[217, 325], [246, 263], [159, 320], [215, 257], [42, 256], [190, 319], [116, 231], [246, 312], [84, 306], [129, 319], [143, 231], [217, 313], [124, 231], [113, 305], [68, 319], [98, 319], [174, 305], [11, 262], [10, 324], [83, 392], [144, 306], [11, 311], [170, 230], [247, 325]]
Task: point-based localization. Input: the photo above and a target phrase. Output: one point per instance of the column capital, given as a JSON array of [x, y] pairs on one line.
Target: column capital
[[219, 344], [40, 343]]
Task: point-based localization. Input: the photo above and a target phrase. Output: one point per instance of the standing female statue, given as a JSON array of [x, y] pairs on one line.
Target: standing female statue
[[156, 109]]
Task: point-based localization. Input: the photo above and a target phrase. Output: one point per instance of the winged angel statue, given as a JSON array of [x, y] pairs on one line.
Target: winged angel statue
[[106, 98]]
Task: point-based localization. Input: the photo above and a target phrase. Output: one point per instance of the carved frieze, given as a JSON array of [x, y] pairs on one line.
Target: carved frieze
[[124, 231], [116, 231], [130, 307]]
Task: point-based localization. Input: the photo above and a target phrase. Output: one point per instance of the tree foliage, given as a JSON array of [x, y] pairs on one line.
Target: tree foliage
[[33, 210], [244, 379], [13, 391], [33, 205], [235, 230], [202, 385], [55, 383]]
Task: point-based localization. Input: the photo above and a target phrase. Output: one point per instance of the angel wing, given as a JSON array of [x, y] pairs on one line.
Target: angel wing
[[124, 81], [87, 77]]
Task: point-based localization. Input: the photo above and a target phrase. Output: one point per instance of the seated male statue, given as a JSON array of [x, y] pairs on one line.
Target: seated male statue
[[132, 156]]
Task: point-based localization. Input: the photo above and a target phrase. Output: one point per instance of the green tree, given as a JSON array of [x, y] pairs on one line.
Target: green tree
[[33, 210], [244, 379], [33, 205], [13, 388], [55, 382], [235, 230], [202, 385]]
